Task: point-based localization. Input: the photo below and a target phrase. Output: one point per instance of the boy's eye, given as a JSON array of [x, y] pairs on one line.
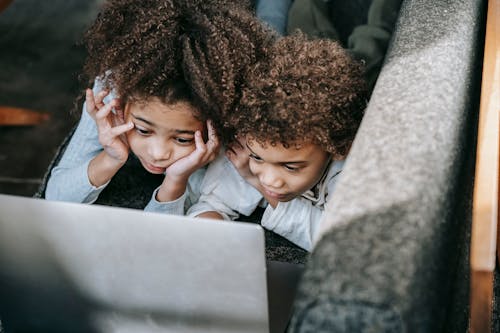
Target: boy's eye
[[255, 158], [291, 168], [184, 141]]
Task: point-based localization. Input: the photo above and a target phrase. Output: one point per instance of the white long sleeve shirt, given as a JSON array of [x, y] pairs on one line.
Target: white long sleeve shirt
[[223, 190]]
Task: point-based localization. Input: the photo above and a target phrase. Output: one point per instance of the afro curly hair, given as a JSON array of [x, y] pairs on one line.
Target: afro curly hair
[[306, 91], [176, 50]]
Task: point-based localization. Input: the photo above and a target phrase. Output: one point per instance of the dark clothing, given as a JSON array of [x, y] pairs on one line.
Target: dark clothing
[[367, 42]]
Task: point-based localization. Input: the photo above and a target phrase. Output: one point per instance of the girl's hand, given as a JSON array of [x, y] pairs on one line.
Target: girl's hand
[[239, 155], [203, 154], [177, 174], [110, 126]]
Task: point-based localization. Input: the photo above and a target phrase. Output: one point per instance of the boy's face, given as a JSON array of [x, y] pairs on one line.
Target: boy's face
[[162, 133], [286, 173]]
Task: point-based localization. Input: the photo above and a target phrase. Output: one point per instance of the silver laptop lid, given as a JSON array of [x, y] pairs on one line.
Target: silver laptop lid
[[140, 271]]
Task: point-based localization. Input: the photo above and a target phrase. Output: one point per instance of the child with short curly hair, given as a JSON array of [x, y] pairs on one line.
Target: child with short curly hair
[[295, 123], [151, 96]]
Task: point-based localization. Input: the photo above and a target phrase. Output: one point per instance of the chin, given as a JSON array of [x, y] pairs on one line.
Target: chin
[[155, 172], [288, 198]]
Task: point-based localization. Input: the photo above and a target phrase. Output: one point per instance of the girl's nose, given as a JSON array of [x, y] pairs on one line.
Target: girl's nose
[[160, 151]]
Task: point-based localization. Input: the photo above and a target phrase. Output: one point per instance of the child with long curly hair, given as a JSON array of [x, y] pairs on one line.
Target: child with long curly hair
[[295, 122], [152, 97]]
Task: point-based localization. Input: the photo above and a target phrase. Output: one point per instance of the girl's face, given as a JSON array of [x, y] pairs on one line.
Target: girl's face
[[286, 173], [162, 133]]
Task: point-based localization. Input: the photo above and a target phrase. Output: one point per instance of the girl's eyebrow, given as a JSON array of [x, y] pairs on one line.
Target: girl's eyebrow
[[143, 120], [283, 163], [177, 131]]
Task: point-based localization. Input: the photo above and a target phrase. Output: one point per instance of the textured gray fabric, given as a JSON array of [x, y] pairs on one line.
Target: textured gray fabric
[[396, 237]]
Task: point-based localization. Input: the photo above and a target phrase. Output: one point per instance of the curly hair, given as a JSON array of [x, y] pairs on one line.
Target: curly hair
[[306, 91], [223, 43], [147, 48]]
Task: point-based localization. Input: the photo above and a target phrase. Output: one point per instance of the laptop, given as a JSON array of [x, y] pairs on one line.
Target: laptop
[[67, 267]]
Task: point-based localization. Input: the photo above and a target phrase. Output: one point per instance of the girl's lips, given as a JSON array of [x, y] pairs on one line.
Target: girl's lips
[[153, 169]]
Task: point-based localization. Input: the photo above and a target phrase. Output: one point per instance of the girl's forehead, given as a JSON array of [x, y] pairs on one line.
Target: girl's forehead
[[155, 103], [167, 116]]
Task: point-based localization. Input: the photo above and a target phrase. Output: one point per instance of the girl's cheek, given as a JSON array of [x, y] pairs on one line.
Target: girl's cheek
[[136, 143]]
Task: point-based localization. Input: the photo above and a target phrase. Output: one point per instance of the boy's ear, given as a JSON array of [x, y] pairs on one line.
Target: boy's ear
[[338, 156]]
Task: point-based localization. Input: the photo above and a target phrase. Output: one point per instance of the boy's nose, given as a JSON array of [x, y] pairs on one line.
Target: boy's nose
[[270, 179]]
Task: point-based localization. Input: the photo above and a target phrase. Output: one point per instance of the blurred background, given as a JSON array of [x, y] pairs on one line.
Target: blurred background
[[40, 61]]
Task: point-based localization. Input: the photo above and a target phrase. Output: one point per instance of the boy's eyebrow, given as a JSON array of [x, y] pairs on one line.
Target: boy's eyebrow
[[287, 162]]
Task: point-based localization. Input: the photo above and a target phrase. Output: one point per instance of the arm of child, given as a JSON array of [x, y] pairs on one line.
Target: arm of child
[[180, 205], [296, 220], [69, 180], [211, 215], [224, 193], [110, 127]]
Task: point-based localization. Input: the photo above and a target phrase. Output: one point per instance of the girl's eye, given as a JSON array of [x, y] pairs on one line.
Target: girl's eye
[[142, 131], [255, 158], [184, 141]]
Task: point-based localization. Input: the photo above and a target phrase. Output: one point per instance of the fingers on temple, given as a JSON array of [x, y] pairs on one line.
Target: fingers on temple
[[119, 130], [104, 111], [101, 116], [200, 145], [93, 101]]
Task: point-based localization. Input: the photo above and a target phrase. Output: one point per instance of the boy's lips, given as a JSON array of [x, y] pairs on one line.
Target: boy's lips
[[274, 195]]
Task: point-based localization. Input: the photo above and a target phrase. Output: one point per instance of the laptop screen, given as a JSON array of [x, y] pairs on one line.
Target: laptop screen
[[123, 270]]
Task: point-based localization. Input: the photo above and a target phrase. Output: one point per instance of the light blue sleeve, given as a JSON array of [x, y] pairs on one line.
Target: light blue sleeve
[[274, 13], [69, 180], [296, 220], [184, 202]]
